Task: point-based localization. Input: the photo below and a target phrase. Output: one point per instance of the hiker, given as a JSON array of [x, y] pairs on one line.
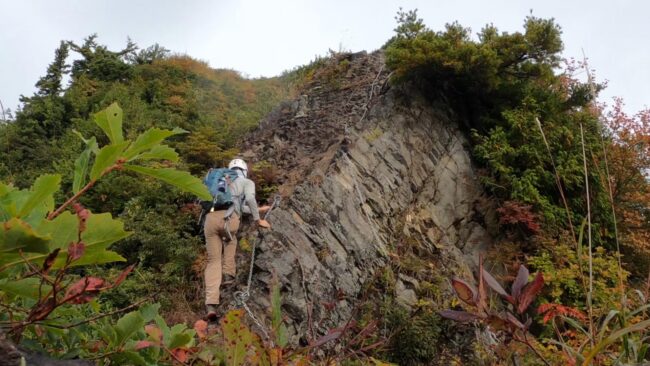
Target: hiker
[[220, 228]]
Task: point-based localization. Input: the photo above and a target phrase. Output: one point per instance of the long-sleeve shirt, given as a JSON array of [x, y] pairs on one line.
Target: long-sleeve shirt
[[247, 204]]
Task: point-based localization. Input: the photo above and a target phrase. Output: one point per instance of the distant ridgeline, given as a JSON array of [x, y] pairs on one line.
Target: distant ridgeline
[[153, 86]]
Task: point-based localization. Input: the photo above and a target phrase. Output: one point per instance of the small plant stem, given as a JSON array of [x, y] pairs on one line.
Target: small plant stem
[[531, 347], [67, 203], [647, 287], [591, 269], [35, 271], [558, 182], [83, 190], [592, 90]]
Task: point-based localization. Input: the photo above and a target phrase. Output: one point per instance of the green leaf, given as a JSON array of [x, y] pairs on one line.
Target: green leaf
[[17, 234], [109, 334], [179, 340], [613, 338], [131, 358], [25, 288], [149, 140], [162, 325], [41, 194], [81, 166], [160, 152], [5, 189], [102, 231], [128, 325], [576, 325], [106, 157], [63, 230], [110, 120], [149, 312], [282, 335], [10, 201], [603, 326], [177, 329], [91, 142], [280, 330], [642, 352], [238, 337], [180, 179]]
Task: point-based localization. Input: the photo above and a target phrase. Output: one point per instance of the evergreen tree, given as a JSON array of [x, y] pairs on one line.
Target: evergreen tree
[[50, 84], [99, 63]]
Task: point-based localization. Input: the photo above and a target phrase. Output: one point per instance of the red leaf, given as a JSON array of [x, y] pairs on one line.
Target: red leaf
[[76, 251], [84, 290], [544, 308], [123, 275], [459, 316], [520, 281], [153, 332], [548, 316], [553, 310], [180, 354], [201, 328], [143, 344], [49, 261], [519, 214], [530, 292], [494, 285], [465, 291]]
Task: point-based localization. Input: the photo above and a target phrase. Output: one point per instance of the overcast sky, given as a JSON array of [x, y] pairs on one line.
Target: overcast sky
[[265, 37]]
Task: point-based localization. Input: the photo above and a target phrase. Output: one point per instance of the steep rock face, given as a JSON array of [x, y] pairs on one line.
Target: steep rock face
[[364, 167]]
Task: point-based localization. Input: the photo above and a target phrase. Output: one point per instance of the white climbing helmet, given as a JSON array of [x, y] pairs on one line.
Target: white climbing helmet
[[239, 164]]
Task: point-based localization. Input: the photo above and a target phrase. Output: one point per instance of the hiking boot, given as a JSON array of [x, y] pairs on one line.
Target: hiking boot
[[228, 279], [212, 313]]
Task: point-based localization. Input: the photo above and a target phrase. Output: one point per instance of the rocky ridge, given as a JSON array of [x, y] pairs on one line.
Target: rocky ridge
[[366, 170]]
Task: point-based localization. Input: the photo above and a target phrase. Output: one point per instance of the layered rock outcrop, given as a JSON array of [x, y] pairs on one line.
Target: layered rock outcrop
[[363, 167]]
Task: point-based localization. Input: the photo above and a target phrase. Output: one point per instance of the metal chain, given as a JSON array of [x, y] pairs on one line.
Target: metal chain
[[242, 296]]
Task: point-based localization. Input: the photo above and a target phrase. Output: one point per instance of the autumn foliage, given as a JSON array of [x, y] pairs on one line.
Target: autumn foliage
[[629, 157]]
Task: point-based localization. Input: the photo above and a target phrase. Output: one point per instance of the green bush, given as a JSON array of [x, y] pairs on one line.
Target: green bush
[[415, 339], [501, 85]]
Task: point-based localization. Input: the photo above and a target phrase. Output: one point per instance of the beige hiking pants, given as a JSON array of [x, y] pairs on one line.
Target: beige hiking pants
[[217, 237]]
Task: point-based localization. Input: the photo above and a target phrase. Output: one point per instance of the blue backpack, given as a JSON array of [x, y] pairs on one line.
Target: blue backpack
[[218, 182]]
